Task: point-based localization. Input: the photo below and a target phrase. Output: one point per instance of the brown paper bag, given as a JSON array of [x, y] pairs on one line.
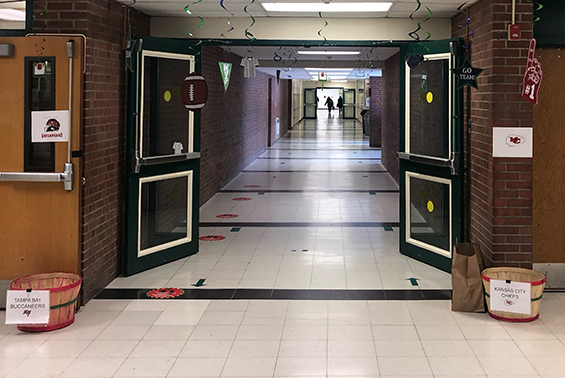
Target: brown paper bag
[[466, 280]]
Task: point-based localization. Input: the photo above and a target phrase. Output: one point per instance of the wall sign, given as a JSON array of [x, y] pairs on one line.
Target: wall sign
[[512, 297], [512, 142], [532, 77], [50, 126], [467, 75], [23, 307]]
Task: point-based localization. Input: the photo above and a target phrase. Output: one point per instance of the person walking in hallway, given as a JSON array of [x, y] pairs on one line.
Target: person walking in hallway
[[339, 105], [330, 104]]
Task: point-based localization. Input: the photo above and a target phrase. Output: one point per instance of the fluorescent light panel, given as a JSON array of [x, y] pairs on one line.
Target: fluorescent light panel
[[326, 7], [328, 52]]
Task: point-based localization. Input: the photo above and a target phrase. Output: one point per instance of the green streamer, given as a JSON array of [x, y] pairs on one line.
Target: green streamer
[[248, 34], [323, 27], [539, 7], [189, 32]]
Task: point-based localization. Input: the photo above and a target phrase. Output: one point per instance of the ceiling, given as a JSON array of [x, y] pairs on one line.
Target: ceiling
[[212, 8]]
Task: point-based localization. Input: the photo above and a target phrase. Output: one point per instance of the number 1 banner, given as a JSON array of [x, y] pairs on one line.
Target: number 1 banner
[[532, 77]]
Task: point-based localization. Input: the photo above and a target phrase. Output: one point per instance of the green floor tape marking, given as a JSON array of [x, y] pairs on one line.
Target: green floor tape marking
[[261, 193], [372, 193], [235, 229], [413, 281], [388, 228], [200, 282]]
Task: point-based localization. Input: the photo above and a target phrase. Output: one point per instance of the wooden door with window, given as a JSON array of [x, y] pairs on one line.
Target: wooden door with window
[[40, 199]]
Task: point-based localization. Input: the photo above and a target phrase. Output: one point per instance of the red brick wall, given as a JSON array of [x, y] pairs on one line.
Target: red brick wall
[[389, 115], [501, 188], [375, 108], [235, 124], [103, 127]]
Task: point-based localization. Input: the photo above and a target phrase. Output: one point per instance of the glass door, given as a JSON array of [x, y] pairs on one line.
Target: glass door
[[430, 183], [163, 142], [310, 103], [349, 104]]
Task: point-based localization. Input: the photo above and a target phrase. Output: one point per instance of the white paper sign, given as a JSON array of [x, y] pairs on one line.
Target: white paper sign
[[50, 126], [39, 69], [27, 308], [512, 297], [512, 142]]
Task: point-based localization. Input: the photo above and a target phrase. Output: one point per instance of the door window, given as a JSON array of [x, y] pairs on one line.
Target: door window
[[164, 211], [165, 120]]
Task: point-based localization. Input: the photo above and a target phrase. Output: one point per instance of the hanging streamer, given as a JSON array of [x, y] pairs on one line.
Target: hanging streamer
[[538, 8], [39, 45], [189, 32], [229, 19], [323, 27], [277, 57], [248, 34], [414, 34], [468, 43]]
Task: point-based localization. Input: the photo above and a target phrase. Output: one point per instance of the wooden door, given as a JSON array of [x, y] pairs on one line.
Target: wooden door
[[40, 222]]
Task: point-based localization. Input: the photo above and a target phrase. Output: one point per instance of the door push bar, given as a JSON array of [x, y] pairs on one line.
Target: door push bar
[[138, 161], [66, 177], [438, 162]]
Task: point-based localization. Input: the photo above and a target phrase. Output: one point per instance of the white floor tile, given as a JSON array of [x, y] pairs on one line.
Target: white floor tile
[[145, 367], [197, 367], [109, 349], [93, 367], [249, 367], [300, 367], [40, 367], [408, 366]]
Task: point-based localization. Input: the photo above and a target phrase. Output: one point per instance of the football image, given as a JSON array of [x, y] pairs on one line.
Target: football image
[[194, 91]]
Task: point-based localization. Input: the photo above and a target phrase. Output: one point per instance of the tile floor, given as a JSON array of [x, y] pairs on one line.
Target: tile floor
[[294, 338], [279, 338], [323, 175]]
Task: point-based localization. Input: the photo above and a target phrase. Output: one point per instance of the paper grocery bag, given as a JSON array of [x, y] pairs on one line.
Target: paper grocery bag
[[466, 267]]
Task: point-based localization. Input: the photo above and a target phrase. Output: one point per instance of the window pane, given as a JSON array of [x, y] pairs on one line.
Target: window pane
[[429, 108], [429, 212]]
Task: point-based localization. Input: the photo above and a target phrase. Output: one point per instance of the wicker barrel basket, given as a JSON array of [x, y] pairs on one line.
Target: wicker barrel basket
[[535, 279], [63, 295]]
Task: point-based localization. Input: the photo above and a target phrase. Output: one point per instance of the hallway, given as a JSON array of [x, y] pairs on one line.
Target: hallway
[[315, 211]]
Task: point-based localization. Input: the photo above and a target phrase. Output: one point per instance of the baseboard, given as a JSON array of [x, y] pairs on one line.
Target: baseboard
[[555, 274]]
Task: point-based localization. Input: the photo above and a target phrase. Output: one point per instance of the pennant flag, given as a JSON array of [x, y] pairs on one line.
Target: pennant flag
[[225, 69]]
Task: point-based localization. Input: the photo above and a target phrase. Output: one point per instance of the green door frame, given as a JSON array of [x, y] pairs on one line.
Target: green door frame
[[452, 46]]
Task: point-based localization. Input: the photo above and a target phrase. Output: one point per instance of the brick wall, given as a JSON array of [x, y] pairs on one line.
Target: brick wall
[[103, 127], [389, 115], [501, 188], [235, 124], [375, 108]]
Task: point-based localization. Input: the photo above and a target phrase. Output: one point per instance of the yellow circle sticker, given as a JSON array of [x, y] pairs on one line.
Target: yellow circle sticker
[[167, 96], [430, 206], [429, 97]]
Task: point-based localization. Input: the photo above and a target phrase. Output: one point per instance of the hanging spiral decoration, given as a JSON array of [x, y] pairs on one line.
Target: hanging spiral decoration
[[471, 33], [414, 34], [229, 19]]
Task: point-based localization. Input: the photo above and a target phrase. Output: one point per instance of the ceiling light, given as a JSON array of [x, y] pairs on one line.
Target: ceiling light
[[329, 69], [326, 7], [12, 15], [328, 52], [339, 81]]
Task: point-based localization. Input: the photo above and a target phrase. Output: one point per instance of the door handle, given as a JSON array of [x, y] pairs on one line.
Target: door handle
[[430, 160]]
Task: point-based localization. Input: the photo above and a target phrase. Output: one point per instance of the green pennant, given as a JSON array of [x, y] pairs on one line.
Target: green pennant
[[225, 69]]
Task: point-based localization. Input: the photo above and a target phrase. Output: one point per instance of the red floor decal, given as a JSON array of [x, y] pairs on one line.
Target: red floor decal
[[242, 199], [227, 216], [165, 293], [212, 238]]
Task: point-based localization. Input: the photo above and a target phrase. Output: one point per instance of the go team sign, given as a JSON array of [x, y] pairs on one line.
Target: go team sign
[[50, 126]]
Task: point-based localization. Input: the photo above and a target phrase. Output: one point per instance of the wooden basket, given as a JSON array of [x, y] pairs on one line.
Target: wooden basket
[[63, 294], [535, 279]]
